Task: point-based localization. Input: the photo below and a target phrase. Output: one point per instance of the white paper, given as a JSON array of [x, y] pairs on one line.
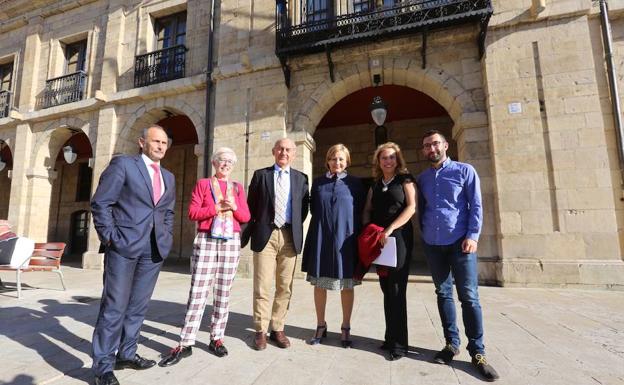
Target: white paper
[[388, 256]]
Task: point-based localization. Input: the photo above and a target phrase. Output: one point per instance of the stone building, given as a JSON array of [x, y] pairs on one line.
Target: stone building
[[520, 87]]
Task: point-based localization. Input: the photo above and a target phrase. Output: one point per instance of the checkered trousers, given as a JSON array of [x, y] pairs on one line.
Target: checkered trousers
[[214, 263]]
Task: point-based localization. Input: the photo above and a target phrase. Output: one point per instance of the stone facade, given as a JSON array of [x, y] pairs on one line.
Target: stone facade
[[533, 115]]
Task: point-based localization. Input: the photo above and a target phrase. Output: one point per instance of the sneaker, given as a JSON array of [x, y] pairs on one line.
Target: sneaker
[[486, 370], [445, 356], [217, 347]]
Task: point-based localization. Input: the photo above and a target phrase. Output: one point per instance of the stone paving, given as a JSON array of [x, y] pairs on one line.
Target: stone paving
[[533, 336]]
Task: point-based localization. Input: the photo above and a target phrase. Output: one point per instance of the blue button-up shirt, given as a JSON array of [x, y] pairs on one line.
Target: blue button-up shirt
[[286, 177], [449, 203]]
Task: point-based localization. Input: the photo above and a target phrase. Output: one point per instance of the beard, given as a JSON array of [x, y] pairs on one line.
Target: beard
[[435, 157]]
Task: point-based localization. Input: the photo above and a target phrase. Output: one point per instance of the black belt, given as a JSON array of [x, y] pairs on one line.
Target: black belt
[[284, 226]]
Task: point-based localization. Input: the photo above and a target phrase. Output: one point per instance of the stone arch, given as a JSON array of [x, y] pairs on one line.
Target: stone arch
[[54, 136], [151, 113], [435, 82]]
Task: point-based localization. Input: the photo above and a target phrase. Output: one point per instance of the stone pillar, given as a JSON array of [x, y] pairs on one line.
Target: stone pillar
[[107, 132], [113, 48], [19, 201], [31, 68], [472, 137], [31, 189]]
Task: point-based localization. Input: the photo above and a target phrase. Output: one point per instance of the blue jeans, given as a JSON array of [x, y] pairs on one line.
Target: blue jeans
[[448, 262]]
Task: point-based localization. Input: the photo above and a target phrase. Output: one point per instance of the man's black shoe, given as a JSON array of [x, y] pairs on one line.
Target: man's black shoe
[[218, 348], [175, 355], [445, 356], [486, 370], [107, 378], [137, 363]]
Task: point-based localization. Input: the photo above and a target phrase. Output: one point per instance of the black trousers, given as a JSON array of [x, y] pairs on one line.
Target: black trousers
[[394, 288]]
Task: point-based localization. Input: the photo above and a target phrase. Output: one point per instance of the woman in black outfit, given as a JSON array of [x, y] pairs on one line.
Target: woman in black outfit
[[390, 204]]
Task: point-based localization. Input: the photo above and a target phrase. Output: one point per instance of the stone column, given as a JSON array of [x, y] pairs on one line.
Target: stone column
[[473, 147], [107, 132], [31, 68], [112, 58], [19, 202]]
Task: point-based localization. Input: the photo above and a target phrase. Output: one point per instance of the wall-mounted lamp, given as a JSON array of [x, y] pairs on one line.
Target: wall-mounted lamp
[[379, 112], [69, 154]]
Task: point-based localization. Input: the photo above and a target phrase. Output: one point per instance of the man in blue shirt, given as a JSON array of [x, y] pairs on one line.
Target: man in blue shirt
[[450, 214]]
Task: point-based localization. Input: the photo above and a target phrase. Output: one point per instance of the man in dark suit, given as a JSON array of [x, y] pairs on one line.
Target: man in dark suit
[[133, 215], [278, 200]]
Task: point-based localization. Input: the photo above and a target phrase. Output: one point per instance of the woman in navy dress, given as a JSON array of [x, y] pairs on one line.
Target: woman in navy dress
[[330, 251]]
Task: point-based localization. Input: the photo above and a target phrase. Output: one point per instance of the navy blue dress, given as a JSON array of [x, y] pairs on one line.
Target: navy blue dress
[[330, 251]]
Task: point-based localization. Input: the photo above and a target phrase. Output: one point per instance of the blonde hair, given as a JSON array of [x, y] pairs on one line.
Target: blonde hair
[[335, 149], [401, 165]]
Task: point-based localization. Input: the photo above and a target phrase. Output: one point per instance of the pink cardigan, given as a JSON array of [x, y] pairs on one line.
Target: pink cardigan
[[202, 207]]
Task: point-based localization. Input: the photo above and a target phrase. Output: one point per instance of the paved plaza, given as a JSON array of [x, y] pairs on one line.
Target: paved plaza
[[533, 336]]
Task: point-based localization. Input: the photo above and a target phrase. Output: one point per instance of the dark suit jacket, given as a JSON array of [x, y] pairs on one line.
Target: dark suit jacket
[[261, 201], [124, 212]]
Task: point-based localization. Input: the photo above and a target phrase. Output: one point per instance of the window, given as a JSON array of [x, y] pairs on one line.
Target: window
[[6, 75], [170, 30], [361, 5], [83, 189], [75, 55], [318, 10]]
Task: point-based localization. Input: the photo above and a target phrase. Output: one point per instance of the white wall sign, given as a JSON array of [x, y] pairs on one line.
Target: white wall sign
[[514, 108]]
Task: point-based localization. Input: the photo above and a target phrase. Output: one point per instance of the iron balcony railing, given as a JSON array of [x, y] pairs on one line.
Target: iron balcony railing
[[160, 66], [6, 100], [308, 26], [65, 89]]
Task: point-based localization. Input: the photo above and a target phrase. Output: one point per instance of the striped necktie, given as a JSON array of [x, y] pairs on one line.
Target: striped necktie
[[281, 198]]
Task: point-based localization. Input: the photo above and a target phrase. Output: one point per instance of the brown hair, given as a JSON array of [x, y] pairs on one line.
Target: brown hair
[[401, 165], [335, 149], [431, 133]]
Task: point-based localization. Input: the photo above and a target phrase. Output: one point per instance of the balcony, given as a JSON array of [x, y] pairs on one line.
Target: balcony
[[65, 89], [160, 66], [309, 26], [6, 100]]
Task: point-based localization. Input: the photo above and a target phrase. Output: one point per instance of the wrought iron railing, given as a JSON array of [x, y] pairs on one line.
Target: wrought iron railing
[[160, 66], [6, 100], [65, 89], [307, 26]]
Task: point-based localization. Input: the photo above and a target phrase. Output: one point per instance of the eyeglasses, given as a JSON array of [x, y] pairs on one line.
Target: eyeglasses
[[435, 144], [225, 161]]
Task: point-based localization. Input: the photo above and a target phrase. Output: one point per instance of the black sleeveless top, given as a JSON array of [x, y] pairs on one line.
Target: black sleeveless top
[[389, 203]]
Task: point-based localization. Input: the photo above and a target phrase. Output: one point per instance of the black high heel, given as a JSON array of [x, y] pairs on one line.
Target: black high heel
[[346, 343], [317, 340]]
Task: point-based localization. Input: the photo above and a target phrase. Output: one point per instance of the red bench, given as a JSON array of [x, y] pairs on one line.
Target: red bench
[[45, 257]]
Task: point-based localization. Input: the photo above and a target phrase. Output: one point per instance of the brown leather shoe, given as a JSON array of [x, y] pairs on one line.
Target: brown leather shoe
[[260, 341], [280, 339]]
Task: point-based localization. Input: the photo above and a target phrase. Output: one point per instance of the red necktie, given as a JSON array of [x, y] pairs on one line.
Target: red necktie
[[156, 183]]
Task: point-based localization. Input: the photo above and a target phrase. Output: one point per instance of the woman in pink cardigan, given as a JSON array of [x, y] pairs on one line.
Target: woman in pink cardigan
[[219, 206]]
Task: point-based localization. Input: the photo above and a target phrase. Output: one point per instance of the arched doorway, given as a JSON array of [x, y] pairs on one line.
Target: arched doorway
[[71, 192], [182, 162], [6, 165], [410, 114]]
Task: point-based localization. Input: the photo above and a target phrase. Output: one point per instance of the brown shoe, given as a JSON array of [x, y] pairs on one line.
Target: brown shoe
[[260, 341], [280, 339]]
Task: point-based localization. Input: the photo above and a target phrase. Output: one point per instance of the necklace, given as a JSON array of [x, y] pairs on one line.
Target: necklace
[[385, 184]]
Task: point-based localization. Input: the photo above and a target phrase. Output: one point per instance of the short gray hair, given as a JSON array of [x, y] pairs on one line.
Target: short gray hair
[[223, 150], [156, 126]]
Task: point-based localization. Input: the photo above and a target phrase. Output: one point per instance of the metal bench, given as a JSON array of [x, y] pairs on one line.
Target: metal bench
[[45, 257]]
